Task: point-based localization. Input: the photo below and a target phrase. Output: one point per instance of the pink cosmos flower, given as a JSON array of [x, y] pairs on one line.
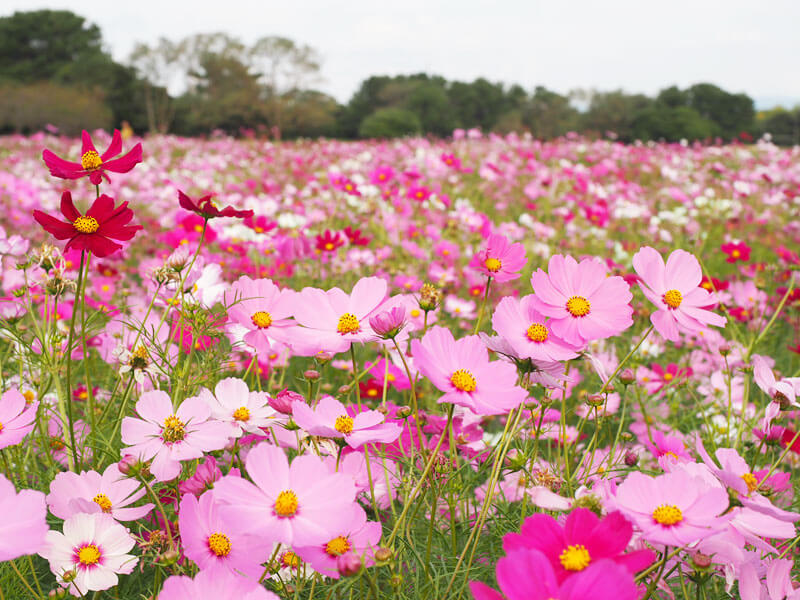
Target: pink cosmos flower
[[209, 585], [528, 575], [262, 309], [329, 418], [302, 505], [784, 391], [501, 260], [583, 303], [388, 323], [461, 369], [23, 524], [92, 492], [583, 540], [169, 437], [332, 320], [358, 536], [675, 290], [94, 547], [16, 418], [527, 331], [217, 544], [204, 477], [675, 509], [93, 164], [232, 402]]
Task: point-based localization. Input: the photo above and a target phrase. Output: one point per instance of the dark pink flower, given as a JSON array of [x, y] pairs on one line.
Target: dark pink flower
[[93, 164]]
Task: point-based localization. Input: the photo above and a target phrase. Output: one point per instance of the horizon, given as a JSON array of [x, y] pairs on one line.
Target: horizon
[[746, 56]]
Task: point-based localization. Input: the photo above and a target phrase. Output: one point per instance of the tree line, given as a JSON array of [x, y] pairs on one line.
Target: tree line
[[55, 72]]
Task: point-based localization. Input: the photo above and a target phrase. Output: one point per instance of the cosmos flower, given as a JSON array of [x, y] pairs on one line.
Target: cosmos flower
[[16, 418], [583, 303], [206, 208], [528, 575], [263, 310], [736, 251], [675, 290], [329, 418], [527, 332], [93, 164], [110, 493], [23, 523], [94, 231], [90, 553], [462, 370], [299, 505], [675, 509], [583, 540], [169, 437], [329, 241], [211, 585], [501, 260], [216, 542], [232, 402]]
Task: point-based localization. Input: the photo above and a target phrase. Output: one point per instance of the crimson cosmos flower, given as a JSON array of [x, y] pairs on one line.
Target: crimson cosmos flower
[[205, 208], [93, 231], [93, 164]]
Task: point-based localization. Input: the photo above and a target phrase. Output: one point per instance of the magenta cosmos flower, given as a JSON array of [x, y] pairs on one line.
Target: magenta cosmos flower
[[263, 310], [93, 164], [528, 332], [93, 550], [170, 436], [329, 418], [210, 585], [674, 509], [111, 493], [462, 370], [583, 303], [358, 536], [215, 543], [583, 540], [23, 524], [16, 418], [675, 290], [528, 575], [247, 412], [333, 320], [299, 505], [501, 260]]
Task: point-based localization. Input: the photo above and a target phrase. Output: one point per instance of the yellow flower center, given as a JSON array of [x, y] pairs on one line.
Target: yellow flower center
[[415, 312], [291, 560], [348, 323], [667, 514], [219, 544], [1, 427], [736, 254], [578, 306], [29, 396], [85, 224], [464, 380], [174, 429], [751, 481], [673, 298], [241, 414], [103, 502], [328, 246], [338, 546], [668, 376], [575, 558], [91, 161], [89, 555], [57, 443], [492, 264], [537, 332], [261, 319], [286, 504], [344, 424]]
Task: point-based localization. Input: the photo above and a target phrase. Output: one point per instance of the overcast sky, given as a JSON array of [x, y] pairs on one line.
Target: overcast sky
[[747, 46]]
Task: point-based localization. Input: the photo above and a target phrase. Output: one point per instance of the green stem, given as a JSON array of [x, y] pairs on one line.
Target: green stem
[[483, 306]]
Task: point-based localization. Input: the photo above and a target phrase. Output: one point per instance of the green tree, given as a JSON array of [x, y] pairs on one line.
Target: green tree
[[672, 124], [548, 114], [613, 112], [389, 123], [732, 113]]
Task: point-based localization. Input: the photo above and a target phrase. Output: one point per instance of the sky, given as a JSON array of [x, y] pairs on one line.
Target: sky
[[643, 46]]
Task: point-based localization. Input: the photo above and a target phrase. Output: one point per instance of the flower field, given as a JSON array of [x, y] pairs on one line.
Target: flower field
[[484, 367]]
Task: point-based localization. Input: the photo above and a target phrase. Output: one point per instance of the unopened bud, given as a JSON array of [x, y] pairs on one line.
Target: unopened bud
[[344, 390], [283, 400], [631, 458], [311, 375], [383, 554], [627, 377], [57, 594], [403, 412], [128, 465], [595, 400], [348, 564], [701, 561], [168, 557], [724, 349]]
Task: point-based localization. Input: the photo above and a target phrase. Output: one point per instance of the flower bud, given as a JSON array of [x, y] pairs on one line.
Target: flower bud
[[631, 458], [429, 297], [387, 324], [403, 412], [595, 400], [57, 594], [348, 564], [311, 375], [627, 377], [283, 400], [382, 554], [169, 557], [344, 390], [128, 465], [724, 349], [701, 561]]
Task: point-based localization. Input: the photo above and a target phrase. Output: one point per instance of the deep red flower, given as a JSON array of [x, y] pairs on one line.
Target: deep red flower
[[328, 241], [713, 284], [206, 208], [260, 224], [355, 237], [93, 231], [736, 252], [93, 164]]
